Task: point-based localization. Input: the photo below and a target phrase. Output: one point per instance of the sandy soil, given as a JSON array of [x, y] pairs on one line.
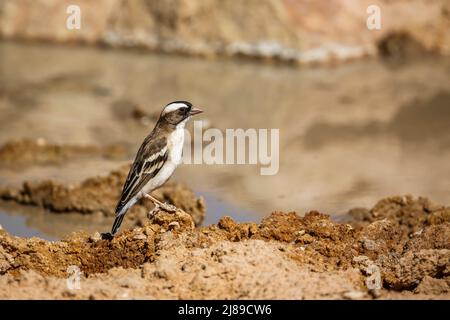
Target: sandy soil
[[402, 244]]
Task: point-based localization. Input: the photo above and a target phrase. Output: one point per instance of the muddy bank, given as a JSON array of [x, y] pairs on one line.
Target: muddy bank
[[285, 256], [338, 121], [22, 153], [300, 31], [98, 195]]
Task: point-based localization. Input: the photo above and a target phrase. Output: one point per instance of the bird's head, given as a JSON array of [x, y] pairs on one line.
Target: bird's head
[[178, 112]]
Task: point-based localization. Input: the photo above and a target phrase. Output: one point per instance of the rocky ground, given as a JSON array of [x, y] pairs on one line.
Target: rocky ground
[[398, 249]]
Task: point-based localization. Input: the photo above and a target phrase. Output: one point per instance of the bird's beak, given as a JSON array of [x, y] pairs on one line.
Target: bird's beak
[[195, 111]]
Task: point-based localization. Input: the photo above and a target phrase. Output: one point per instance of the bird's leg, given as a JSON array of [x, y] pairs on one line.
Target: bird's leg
[[158, 204], [154, 211]]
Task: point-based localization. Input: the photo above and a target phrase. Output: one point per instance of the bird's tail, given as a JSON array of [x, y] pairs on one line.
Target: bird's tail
[[117, 223], [121, 210]]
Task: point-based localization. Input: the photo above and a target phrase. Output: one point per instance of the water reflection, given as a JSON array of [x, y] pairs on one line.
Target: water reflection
[[419, 123], [349, 135], [18, 226]]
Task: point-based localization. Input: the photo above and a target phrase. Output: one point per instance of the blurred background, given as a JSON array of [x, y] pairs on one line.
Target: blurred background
[[363, 114]]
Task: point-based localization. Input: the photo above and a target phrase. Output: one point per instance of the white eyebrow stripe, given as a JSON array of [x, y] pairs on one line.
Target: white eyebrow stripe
[[173, 106]]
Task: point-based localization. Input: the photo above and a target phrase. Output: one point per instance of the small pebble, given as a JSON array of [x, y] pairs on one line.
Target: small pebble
[[140, 237], [95, 237]]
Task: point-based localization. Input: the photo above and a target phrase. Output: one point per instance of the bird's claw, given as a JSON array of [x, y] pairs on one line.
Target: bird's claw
[[161, 206], [154, 211], [168, 207]]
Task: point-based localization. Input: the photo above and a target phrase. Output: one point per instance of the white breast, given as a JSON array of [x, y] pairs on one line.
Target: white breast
[[175, 144]]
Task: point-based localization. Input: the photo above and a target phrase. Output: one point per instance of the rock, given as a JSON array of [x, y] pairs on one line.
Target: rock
[[140, 237], [96, 237]]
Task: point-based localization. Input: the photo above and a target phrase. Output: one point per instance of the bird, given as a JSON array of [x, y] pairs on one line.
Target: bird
[[155, 161]]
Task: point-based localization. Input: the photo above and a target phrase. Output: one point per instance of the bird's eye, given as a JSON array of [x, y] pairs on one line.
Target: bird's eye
[[184, 110]]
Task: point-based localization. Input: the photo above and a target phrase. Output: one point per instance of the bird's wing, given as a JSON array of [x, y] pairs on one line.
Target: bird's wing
[[149, 160]]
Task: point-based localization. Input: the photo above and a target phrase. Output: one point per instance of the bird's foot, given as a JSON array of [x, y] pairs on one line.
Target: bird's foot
[[168, 207], [163, 206], [154, 211]]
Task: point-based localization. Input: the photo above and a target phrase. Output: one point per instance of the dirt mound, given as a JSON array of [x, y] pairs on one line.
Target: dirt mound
[[100, 194], [309, 257], [409, 214], [223, 270]]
